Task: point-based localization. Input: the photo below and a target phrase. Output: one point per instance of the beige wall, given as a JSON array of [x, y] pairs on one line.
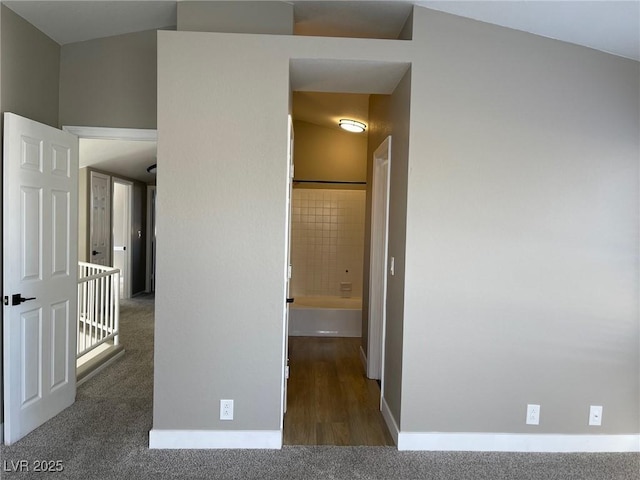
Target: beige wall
[[322, 153], [266, 17], [110, 82], [522, 233]]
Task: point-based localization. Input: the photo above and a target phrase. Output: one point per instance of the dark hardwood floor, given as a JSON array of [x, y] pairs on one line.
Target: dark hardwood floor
[[330, 400]]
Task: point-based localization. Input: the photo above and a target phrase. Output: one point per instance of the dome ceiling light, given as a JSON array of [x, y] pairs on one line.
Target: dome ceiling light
[[352, 125]]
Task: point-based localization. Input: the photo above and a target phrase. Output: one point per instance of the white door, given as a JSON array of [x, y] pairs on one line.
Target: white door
[[100, 219], [289, 300], [378, 270], [40, 231], [121, 213]]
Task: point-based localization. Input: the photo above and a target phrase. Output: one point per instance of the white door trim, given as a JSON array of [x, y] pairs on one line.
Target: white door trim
[[107, 133], [151, 225], [378, 260]]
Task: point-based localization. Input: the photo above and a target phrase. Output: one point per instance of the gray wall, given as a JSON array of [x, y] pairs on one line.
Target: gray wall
[[110, 82], [30, 70], [400, 106], [522, 233], [221, 220], [266, 17], [389, 115], [29, 73], [221, 227], [520, 280]]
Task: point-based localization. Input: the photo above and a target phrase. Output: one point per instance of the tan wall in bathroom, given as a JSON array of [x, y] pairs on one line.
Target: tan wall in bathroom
[[329, 154]]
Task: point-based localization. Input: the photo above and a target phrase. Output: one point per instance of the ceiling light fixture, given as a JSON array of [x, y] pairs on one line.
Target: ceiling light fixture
[[352, 125], [152, 168]]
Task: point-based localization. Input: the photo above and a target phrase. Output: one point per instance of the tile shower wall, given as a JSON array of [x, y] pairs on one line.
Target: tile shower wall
[[327, 241]]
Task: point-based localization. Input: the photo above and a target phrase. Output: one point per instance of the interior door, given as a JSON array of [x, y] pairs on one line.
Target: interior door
[[378, 270], [100, 221], [40, 225], [288, 263], [121, 216]]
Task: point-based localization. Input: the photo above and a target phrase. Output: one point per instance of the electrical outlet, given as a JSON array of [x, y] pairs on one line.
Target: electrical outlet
[[595, 415], [533, 414], [226, 409]]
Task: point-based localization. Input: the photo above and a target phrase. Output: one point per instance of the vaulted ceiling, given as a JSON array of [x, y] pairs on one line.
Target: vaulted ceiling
[[610, 26]]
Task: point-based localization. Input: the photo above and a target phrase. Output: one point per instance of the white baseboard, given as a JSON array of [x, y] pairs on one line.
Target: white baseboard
[[215, 439], [363, 358], [390, 421], [504, 442], [97, 370]]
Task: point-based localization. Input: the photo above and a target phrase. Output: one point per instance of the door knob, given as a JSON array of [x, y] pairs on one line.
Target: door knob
[[290, 300], [95, 252]]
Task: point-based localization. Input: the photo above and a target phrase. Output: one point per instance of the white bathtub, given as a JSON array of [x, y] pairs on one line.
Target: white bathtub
[[325, 317]]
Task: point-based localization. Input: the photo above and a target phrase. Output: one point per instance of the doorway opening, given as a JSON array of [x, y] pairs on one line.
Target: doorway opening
[[113, 182], [333, 394]]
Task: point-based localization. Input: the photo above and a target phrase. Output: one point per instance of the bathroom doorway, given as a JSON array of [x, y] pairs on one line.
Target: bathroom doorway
[[330, 400]]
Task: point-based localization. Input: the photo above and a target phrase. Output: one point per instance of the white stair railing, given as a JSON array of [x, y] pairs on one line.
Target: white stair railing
[[98, 306]]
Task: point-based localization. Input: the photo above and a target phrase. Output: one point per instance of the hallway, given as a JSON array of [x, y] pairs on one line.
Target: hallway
[[330, 400]]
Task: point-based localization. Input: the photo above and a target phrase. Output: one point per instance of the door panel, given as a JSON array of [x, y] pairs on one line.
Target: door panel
[[40, 202], [60, 223], [100, 222], [30, 345], [60, 324]]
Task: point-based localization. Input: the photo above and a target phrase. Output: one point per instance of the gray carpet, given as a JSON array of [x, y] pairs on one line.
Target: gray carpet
[[104, 435]]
